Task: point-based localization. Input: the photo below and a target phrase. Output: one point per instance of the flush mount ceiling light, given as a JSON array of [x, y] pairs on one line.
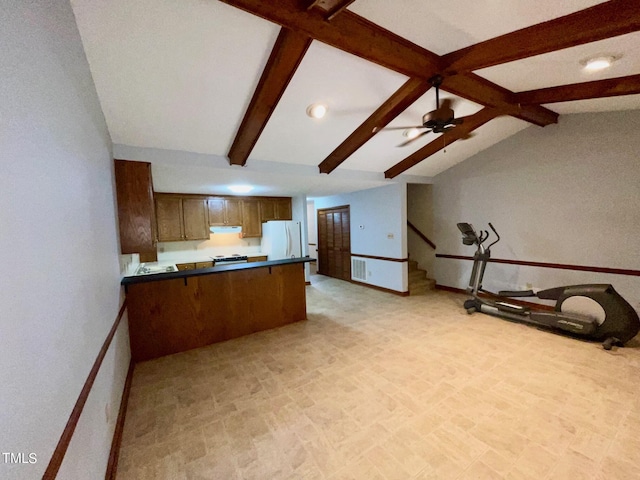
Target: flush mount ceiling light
[[317, 110], [600, 62], [240, 188]]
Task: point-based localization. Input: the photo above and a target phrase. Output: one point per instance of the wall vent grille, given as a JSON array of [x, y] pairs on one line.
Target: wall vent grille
[[358, 269]]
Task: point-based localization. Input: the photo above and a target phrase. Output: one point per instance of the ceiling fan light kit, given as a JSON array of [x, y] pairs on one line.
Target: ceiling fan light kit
[[440, 120], [317, 110], [411, 133]]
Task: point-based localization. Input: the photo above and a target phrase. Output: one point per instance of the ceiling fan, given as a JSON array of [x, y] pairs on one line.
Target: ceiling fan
[[439, 120]]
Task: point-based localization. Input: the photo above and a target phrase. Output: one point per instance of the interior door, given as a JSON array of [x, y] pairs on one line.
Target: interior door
[[334, 242]]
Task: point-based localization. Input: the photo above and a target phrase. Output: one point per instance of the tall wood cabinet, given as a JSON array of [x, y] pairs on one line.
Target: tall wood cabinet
[[181, 218], [136, 213]]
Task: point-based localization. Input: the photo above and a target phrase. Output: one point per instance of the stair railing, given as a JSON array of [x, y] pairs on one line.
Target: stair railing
[[421, 235]]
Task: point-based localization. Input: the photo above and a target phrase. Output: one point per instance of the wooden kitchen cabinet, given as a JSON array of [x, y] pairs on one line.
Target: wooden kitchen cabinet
[[204, 264], [185, 266], [136, 212], [179, 314], [181, 218], [169, 216], [224, 211], [262, 258], [194, 216], [275, 208], [251, 223], [193, 266], [283, 209]]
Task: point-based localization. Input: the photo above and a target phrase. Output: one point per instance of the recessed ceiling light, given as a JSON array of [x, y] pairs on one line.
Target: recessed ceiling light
[[240, 188], [600, 62], [317, 110], [411, 133]]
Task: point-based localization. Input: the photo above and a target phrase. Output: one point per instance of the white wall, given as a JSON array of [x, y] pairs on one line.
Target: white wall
[[312, 229], [376, 215], [299, 214], [58, 245], [420, 214], [567, 193]]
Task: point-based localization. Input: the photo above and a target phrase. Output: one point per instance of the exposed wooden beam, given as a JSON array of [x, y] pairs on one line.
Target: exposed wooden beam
[[471, 123], [610, 87], [479, 90], [356, 35], [287, 53], [605, 20], [350, 33], [331, 8], [406, 95]]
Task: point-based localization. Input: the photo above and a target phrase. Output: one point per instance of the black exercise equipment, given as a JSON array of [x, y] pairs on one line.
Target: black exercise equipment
[[619, 325]]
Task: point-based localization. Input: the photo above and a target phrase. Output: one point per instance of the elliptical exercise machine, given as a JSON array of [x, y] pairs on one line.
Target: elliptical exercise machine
[[619, 325]]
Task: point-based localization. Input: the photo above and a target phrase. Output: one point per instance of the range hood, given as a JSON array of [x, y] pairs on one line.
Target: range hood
[[225, 229]]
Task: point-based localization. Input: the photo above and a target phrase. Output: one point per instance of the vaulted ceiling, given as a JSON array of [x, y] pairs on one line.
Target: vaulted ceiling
[[233, 78]]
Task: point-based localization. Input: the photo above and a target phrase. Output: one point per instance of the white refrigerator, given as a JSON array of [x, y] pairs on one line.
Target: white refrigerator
[[281, 239]]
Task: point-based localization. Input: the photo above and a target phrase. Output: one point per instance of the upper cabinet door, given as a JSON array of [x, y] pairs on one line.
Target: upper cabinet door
[[216, 211], [267, 209], [169, 215], [233, 209], [283, 208], [251, 224], [194, 217]]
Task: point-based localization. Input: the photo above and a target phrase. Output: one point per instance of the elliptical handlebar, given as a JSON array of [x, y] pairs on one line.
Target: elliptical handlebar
[[494, 231]]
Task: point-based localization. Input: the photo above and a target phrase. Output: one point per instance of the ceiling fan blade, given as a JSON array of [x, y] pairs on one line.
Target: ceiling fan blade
[[402, 128], [411, 140]]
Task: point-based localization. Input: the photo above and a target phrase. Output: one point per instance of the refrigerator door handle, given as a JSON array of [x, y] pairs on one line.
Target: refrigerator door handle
[[288, 237]]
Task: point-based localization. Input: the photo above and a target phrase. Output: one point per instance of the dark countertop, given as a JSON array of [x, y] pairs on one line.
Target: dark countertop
[[208, 271]]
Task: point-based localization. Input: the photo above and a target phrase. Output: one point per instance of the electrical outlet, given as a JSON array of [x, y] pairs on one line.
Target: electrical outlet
[[529, 286], [390, 236], [368, 273]]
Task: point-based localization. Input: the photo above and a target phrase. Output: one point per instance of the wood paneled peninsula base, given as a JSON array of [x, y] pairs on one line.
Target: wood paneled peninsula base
[[174, 312]]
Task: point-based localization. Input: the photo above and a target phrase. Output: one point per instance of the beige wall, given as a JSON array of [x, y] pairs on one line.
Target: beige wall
[[567, 193]]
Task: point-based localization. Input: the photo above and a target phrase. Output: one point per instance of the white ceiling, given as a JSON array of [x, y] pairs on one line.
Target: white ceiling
[[177, 76]]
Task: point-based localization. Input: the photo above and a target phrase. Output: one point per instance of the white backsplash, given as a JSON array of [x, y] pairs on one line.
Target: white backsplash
[[218, 244]]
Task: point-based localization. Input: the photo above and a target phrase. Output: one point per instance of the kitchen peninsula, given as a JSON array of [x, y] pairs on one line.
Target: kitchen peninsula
[[178, 311]]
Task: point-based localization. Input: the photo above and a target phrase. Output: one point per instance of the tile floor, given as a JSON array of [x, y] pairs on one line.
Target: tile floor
[[376, 386]]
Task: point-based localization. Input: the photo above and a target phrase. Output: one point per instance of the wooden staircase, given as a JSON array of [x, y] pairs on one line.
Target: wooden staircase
[[419, 284]]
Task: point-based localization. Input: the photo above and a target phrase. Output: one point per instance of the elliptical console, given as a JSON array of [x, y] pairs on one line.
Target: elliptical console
[[620, 323]]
